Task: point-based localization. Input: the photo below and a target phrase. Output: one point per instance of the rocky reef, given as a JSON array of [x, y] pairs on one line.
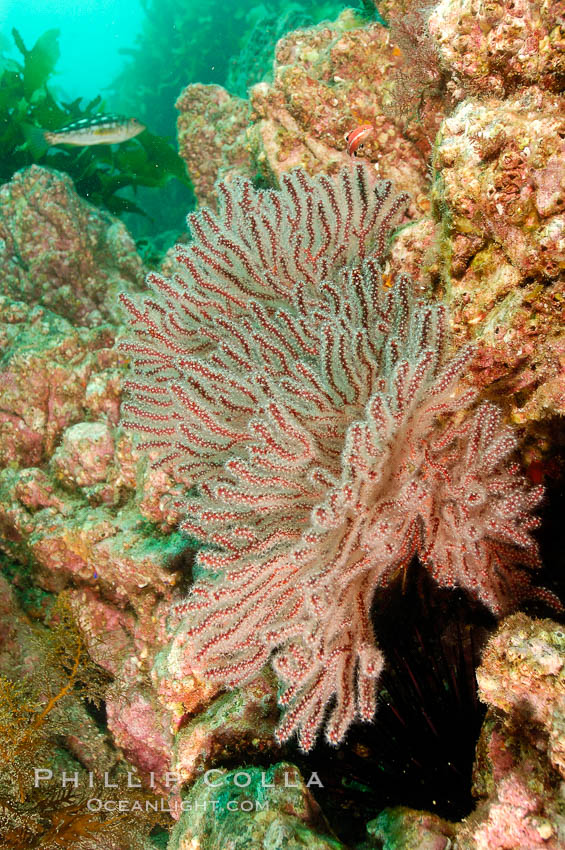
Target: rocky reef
[[494, 239], [470, 124], [59, 251]]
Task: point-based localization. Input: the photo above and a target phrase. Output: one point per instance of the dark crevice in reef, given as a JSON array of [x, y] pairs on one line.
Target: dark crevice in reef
[[551, 538], [98, 713], [182, 565], [419, 751]]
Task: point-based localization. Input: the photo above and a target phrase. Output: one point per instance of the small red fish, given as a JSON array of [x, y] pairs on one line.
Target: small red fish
[[538, 470], [356, 137]]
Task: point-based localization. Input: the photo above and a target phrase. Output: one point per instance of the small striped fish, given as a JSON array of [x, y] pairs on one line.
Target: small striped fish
[[98, 130]]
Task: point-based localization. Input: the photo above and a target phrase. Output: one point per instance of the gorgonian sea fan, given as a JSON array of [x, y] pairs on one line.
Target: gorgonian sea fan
[[321, 417]]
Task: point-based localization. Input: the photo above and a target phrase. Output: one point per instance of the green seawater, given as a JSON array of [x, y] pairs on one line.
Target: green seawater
[[133, 57]]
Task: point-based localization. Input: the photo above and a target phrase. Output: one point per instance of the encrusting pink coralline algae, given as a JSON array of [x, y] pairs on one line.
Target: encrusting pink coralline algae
[[325, 425]]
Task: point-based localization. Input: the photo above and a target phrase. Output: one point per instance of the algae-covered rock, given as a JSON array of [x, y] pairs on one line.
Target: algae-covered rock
[[523, 672], [22, 653], [500, 190], [59, 251], [140, 727], [252, 809], [45, 367], [408, 829], [70, 486], [327, 81], [238, 722], [519, 764], [212, 138], [85, 453], [520, 804], [492, 46]]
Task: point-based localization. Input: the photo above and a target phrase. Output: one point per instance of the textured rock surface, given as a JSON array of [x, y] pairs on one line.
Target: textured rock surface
[[499, 190], [20, 656], [242, 720], [84, 455], [68, 484], [327, 81], [503, 178], [46, 368], [406, 829], [16, 645], [140, 728], [249, 809], [523, 674], [520, 752], [520, 805], [492, 47], [212, 138], [59, 251], [501, 185]]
